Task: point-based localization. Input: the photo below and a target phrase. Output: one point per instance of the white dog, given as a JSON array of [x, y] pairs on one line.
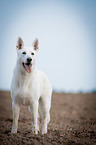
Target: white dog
[[30, 87]]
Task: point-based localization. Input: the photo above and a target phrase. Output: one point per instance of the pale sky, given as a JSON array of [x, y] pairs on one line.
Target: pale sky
[[66, 30]]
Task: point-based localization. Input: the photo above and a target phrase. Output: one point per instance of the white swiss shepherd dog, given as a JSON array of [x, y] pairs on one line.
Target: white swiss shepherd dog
[[30, 87]]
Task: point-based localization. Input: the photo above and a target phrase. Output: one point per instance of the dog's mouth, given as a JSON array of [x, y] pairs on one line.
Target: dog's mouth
[[27, 67]]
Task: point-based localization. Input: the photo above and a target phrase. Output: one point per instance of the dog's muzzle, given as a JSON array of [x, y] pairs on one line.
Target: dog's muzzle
[[27, 66]]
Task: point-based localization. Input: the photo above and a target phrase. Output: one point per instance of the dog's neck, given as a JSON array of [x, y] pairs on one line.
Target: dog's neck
[[25, 78]]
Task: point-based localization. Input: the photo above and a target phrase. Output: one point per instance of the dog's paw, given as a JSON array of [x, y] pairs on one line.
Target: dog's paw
[[44, 128], [35, 131], [14, 130], [44, 132]]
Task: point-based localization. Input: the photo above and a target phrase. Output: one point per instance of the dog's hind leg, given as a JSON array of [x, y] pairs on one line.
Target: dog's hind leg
[[16, 109]]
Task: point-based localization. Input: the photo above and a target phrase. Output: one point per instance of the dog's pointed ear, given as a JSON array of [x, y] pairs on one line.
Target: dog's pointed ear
[[20, 43], [35, 44]]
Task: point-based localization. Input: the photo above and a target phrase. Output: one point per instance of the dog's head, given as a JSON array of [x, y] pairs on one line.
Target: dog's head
[[27, 55]]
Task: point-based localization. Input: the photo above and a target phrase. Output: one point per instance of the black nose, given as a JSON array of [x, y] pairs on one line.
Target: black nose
[[29, 59]]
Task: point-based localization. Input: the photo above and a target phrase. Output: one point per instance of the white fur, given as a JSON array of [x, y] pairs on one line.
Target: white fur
[[32, 89]]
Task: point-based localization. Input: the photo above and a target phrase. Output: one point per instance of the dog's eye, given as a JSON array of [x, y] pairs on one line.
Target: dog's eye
[[23, 52], [32, 53]]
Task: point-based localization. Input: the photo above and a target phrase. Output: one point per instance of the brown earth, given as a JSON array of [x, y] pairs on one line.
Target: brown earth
[[73, 121]]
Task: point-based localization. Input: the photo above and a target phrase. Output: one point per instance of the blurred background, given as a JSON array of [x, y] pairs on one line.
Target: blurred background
[[66, 30]]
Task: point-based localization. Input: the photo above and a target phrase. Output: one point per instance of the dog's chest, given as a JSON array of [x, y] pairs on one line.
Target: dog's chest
[[27, 89], [27, 93], [23, 97]]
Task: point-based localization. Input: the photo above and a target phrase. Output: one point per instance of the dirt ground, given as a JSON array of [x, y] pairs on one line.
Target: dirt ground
[[73, 121]]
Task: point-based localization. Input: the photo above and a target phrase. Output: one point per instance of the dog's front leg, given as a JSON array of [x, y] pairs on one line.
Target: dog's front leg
[[34, 111], [16, 109]]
